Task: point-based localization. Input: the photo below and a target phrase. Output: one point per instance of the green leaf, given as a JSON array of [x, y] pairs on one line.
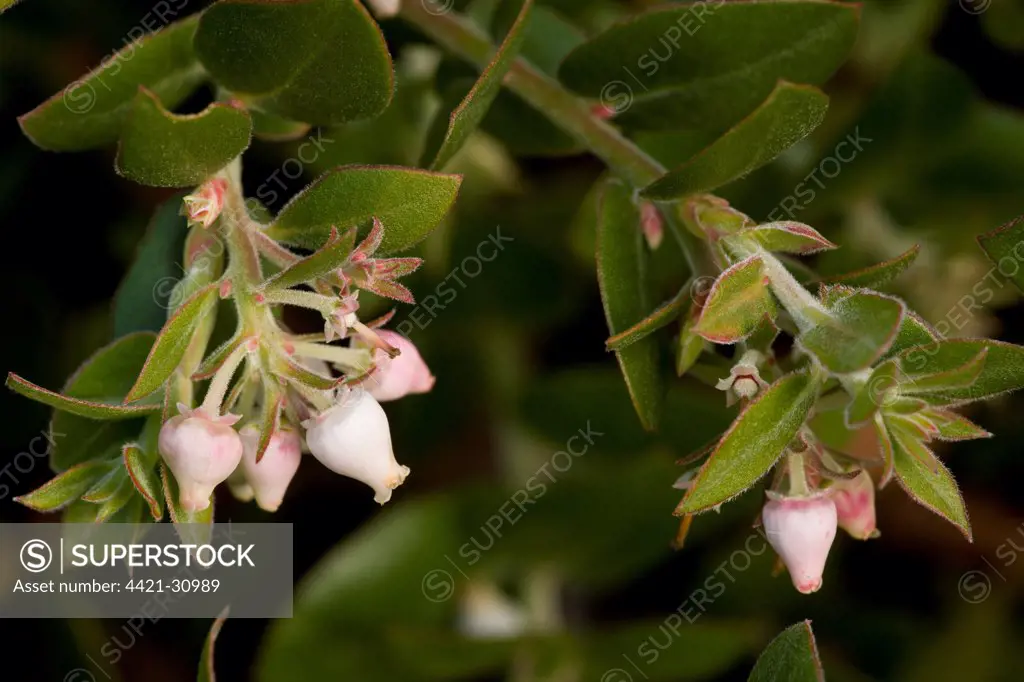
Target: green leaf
[[913, 332], [77, 406], [786, 236], [64, 488], [105, 377], [409, 202], [107, 486], [142, 470], [549, 37], [689, 346], [753, 443], [1003, 369], [859, 329], [702, 65], [121, 500], [141, 299], [1007, 242], [789, 114], [621, 278], [792, 656], [161, 149], [881, 389], [468, 115], [273, 128], [737, 304], [934, 489], [662, 316], [963, 376], [880, 273], [329, 258], [172, 342], [206, 671], [89, 112], [955, 427], [323, 62]]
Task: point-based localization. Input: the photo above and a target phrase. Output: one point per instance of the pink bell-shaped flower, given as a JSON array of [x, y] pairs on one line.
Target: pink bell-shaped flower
[[269, 478], [201, 451], [855, 505], [801, 529], [399, 376], [352, 438]]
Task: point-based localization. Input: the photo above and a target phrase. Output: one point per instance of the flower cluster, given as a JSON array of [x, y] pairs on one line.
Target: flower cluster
[[288, 399]]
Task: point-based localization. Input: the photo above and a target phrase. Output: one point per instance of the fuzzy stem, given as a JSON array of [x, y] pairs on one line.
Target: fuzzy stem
[[802, 306], [356, 358], [797, 477], [302, 299], [222, 379], [572, 114]]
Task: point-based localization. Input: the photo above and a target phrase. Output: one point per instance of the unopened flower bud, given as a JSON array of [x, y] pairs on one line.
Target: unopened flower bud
[[201, 451], [395, 377], [801, 530], [204, 206], [352, 438], [855, 505], [384, 9], [652, 225], [270, 476]]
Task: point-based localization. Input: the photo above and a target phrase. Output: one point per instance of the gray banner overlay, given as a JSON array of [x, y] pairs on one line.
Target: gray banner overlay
[[150, 571]]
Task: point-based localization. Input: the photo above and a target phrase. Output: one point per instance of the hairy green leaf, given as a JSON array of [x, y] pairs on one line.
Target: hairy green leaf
[[789, 114], [322, 62], [621, 277], [89, 112], [64, 488], [409, 202], [753, 443], [934, 489], [162, 149], [738, 303], [791, 656], [858, 330], [880, 273], [1003, 368]]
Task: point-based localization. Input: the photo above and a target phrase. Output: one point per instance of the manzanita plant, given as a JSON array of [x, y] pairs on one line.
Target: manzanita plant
[[155, 420]]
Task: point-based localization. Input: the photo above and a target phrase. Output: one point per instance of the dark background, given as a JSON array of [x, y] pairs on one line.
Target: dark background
[[890, 608]]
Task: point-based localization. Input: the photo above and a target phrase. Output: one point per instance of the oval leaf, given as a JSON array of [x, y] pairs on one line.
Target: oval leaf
[[89, 113], [791, 656], [709, 64], [621, 277], [470, 112], [322, 62], [753, 443], [785, 236], [172, 342], [161, 149], [789, 114], [859, 329], [409, 202], [738, 303]]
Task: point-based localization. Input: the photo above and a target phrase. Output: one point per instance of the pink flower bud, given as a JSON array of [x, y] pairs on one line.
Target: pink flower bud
[[801, 530], [201, 452], [204, 206], [652, 225], [855, 505], [385, 9], [270, 476], [402, 375], [353, 439]]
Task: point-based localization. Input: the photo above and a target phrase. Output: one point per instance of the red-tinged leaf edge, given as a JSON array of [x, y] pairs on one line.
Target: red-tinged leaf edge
[[206, 668], [662, 316], [89, 409], [879, 273], [155, 508], [28, 498], [270, 423], [133, 394]]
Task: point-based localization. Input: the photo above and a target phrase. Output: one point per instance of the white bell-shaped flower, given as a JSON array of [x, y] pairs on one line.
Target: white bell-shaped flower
[[855, 505], [352, 438], [269, 478], [801, 529], [201, 451], [396, 377]]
